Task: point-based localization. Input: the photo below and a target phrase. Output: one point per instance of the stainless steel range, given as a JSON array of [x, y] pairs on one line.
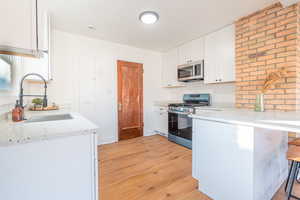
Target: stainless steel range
[[180, 124]]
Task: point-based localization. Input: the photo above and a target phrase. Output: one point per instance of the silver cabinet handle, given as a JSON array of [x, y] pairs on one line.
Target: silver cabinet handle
[[120, 107]]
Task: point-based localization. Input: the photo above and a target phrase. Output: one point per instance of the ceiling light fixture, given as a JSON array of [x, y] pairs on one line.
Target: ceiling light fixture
[[149, 17], [92, 27]]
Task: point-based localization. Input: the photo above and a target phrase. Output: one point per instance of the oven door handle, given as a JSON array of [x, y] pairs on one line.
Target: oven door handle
[[179, 113]]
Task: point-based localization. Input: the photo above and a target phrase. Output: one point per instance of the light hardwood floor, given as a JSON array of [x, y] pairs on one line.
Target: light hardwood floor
[[150, 168]]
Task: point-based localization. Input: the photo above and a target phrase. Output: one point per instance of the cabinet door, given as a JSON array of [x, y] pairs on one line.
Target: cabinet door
[[41, 65], [226, 51], [18, 27], [50, 170], [191, 51], [161, 114], [44, 31], [220, 56], [163, 121], [197, 50], [184, 53], [210, 58], [169, 72]]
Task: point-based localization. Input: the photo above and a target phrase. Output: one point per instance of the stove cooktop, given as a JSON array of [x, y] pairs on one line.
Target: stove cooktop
[[191, 105], [193, 101]]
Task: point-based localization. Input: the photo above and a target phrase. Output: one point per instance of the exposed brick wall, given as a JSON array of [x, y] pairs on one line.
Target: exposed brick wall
[[298, 61], [265, 42]]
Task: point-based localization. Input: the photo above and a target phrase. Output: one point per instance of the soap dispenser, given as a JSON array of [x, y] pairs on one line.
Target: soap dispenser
[[17, 112]]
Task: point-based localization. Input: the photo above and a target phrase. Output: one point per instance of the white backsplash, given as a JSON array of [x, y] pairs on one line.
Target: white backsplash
[[222, 94]]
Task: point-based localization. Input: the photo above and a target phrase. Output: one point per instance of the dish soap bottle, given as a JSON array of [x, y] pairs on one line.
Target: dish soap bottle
[[17, 112]]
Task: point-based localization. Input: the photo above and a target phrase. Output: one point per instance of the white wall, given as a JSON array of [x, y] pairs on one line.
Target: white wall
[[85, 77]]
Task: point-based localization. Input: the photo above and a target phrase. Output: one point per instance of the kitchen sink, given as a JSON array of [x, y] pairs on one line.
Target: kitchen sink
[[50, 118]]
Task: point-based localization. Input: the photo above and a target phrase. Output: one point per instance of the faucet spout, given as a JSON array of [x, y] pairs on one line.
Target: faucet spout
[[22, 95]]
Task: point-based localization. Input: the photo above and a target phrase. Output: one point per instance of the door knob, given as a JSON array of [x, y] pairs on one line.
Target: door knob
[[119, 106]]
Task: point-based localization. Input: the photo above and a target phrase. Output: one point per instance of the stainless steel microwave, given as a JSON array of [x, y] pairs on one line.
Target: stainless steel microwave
[[191, 72]]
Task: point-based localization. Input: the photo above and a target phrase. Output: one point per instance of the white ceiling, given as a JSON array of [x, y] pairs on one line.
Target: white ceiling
[[117, 20]]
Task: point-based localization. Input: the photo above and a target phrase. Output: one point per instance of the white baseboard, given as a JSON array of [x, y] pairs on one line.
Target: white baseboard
[[108, 140], [149, 132]]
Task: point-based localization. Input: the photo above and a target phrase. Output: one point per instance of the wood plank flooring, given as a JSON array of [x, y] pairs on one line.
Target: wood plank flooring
[[150, 168]]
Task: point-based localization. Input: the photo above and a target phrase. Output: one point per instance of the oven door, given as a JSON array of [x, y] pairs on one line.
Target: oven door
[[180, 125], [185, 73]]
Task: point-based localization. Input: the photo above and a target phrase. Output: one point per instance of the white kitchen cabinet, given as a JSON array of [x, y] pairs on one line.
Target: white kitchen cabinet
[[44, 28], [161, 119], [220, 56], [191, 51], [18, 25], [42, 64], [60, 168], [169, 71]]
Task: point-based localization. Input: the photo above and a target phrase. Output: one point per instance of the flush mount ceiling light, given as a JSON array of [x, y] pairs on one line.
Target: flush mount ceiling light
[[91, 27], [149, 17]]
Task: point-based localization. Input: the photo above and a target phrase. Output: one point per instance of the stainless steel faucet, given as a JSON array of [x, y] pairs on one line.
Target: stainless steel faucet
[[22, 95]]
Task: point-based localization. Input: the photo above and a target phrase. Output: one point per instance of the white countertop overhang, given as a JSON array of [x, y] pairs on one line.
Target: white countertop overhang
[[283, 121]]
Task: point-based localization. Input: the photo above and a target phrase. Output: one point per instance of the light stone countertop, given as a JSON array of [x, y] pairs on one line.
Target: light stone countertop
[[12, 133], [284, 121]]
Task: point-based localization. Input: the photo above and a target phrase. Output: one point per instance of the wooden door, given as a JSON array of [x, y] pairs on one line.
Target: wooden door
[[130, 100]]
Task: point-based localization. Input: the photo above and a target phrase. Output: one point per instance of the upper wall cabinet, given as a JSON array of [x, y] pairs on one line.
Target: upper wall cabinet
[[43, 64], [191, 51], [18, 26], [44, 30], [220, 56], [169, 71]]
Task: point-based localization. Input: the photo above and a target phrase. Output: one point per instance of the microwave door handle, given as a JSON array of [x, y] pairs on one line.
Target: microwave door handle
[[194, 71]]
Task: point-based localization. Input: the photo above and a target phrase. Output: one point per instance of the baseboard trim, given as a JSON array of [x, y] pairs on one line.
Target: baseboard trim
[[109, 140]]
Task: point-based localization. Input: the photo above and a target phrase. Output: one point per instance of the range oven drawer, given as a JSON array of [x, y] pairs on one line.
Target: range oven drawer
[[180, 141]]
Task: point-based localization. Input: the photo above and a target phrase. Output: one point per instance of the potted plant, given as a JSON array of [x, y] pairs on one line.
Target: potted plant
[[37, 103]]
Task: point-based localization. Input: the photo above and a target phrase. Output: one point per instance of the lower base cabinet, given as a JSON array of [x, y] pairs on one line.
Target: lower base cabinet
[[60, 169], [161, 121]]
